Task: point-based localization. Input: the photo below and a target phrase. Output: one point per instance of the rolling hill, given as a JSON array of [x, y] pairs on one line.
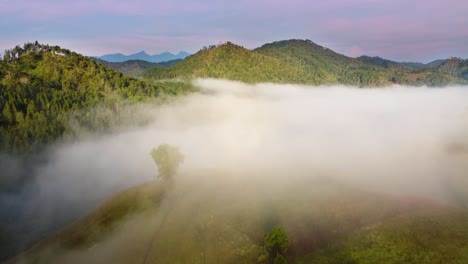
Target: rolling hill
[[293, 61], [304, 62], [212, 216]]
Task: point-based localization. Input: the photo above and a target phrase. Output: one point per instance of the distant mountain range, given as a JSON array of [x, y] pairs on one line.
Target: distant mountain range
[[166, 56]]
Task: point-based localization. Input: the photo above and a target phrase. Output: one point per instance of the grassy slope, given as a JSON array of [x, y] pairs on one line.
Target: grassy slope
[[198, 222]]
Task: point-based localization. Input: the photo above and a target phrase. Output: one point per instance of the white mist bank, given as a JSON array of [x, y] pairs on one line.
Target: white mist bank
[[392, 139], [398, 140]]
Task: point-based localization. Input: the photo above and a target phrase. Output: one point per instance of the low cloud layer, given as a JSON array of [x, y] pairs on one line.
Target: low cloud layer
[[397, 140]]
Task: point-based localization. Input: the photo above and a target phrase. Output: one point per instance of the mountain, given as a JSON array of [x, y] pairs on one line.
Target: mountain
[[166, 56], [194, 222], [136, 68], [44, 88], [293, 61], [303, 62]]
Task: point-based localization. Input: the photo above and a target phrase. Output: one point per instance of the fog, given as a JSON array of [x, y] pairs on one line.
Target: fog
[[396, 140]]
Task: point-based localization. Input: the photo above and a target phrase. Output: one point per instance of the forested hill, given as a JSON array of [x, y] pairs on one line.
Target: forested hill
[[293, 61], [324, 65], [43, 88], [304, 62]]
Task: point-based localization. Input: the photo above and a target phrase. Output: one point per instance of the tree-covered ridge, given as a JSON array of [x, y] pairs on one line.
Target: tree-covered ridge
[[323, 65], [304, 62], [291, 61], [44, 88], [294, 61]]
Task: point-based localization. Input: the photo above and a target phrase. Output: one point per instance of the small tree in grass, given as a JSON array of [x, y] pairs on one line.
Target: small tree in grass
[[276, 243], [167, 158]]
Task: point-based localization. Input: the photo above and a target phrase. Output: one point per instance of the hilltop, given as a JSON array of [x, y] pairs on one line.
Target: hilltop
[[192, 222]]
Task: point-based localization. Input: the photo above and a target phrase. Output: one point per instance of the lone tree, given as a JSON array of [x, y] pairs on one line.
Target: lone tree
[[276, 243], [167, 158]]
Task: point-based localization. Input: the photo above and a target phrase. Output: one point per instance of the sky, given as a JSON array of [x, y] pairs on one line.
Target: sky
[[403, 30]]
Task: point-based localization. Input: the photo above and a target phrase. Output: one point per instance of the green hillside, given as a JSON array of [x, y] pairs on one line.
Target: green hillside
[[47, 92], [323, 65], [304, 62], [215, 217], [292, 61]]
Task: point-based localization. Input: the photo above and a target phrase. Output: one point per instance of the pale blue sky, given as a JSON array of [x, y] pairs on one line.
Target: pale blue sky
[[399, 29]]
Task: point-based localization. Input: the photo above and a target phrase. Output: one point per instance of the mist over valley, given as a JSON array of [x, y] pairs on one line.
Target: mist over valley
[[251, 147]]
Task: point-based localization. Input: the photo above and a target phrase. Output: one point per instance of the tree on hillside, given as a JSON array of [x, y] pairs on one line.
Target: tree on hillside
[[167, 158], [276, 243]]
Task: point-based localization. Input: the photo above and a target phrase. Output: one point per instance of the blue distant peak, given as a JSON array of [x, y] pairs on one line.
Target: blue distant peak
[[142, 55]]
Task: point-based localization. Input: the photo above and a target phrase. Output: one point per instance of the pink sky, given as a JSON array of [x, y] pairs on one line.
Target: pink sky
[[401, 30]]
